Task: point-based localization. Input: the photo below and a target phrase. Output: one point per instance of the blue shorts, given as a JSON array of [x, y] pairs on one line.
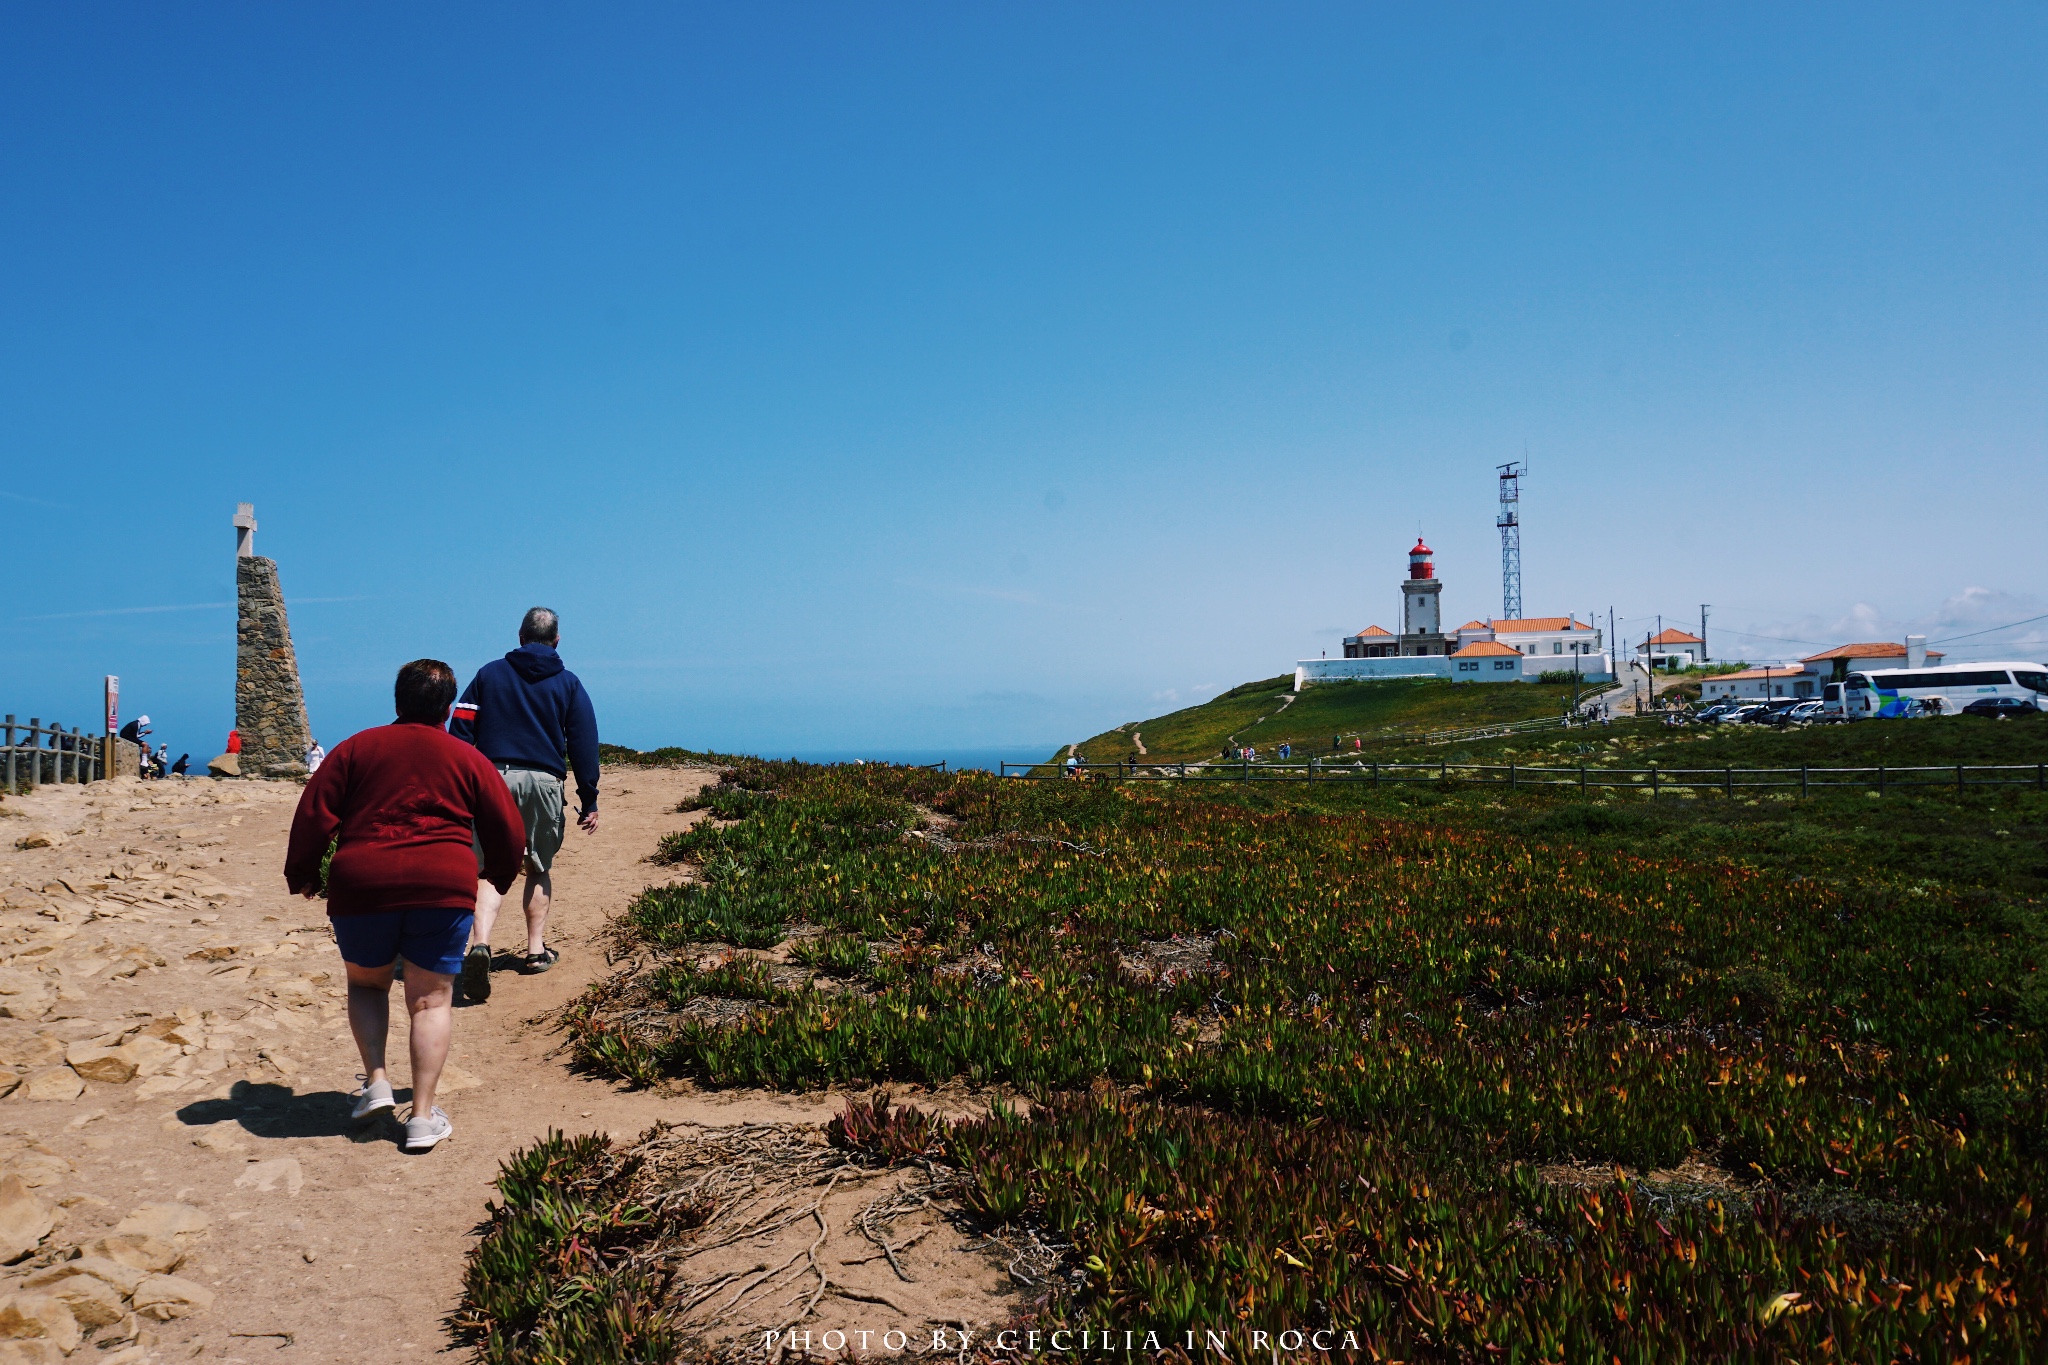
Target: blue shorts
[[433, 939]]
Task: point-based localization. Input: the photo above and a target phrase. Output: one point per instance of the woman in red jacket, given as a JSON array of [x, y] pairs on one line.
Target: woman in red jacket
[[403, 800]]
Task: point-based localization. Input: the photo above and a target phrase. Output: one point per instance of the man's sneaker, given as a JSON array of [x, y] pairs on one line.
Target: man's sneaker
[[423, 1134], [373, 1098], [476, 973]]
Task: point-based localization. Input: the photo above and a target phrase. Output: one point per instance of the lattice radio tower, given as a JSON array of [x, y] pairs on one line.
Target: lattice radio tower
[[1510, 540]]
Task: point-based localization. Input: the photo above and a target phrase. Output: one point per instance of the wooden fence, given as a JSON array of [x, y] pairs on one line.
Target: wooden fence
[[1653, 779], [37, 753]]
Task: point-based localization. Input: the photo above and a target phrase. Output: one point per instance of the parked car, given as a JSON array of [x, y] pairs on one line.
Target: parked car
[[1803, 713], [2000, 708], [1712, 712], [1742, 713], [1771, 712]]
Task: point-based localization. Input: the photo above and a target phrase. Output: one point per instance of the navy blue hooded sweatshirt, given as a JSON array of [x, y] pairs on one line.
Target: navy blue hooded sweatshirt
[[527, 709]]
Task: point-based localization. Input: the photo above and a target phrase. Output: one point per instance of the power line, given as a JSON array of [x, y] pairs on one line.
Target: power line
[[1992, 630], [1779, 639]]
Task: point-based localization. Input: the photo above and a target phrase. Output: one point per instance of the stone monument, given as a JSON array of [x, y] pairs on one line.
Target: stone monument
[[270, 707]]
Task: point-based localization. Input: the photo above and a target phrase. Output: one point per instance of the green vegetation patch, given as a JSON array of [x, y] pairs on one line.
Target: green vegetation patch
[[615, 755], [1299, 1062], [1269, 712]]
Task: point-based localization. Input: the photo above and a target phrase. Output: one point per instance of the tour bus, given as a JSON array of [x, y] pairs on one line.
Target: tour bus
[[1892, 693]]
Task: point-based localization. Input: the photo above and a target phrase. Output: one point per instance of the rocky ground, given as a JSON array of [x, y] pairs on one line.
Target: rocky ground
[[178, 1174]]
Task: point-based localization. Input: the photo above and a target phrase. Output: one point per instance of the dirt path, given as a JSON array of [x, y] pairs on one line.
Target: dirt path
[[159, 909]]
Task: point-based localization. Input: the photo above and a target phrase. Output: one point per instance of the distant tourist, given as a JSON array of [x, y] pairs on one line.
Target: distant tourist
[[178, 768], [523, 712], [1073, 765], [160, 763], [234, 741], [315, 756], [408, 805]]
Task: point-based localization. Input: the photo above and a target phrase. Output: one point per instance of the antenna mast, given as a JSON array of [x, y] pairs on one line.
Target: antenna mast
[[1510, 539]]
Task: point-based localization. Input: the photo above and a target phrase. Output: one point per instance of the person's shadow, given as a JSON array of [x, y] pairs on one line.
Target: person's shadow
[[267, 1110]]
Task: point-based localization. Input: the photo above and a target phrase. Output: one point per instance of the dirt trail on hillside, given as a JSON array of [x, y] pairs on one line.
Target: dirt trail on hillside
[[171, 1022]]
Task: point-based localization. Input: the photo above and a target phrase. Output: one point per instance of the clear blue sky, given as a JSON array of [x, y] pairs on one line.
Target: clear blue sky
[[967, 375]]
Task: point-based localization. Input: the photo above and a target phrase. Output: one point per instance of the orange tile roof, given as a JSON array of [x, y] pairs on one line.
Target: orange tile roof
[[1672, 635], [1475, 625], [1373, 630], [1749, 673], [1530, 623], [1877, 649], [1488, 648]]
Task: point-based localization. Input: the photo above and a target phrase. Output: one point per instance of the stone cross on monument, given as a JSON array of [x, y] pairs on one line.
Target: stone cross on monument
[[270, 708]]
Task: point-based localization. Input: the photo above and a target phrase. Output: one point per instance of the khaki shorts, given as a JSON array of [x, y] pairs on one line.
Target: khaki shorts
[[539, 798]]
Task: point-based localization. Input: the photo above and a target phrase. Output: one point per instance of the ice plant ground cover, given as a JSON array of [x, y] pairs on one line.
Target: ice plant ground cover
[[1294, 1064]]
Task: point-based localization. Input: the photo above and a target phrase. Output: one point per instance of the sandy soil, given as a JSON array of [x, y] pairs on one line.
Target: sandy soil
[[160, 907]]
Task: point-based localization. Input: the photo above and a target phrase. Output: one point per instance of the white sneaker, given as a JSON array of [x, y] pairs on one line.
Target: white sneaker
[[373, 1098], [423, 1134]]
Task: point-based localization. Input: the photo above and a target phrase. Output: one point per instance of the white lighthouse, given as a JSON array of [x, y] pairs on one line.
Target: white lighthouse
[[1422, 622]]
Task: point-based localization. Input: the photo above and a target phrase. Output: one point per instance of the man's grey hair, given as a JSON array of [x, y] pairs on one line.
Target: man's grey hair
[[539, 624]]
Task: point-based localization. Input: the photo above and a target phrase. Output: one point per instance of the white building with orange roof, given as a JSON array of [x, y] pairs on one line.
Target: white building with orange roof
[[1560, 637], [1672, 648], [1834, 665], [1757, 684], [1486, 661], [1374, 642]]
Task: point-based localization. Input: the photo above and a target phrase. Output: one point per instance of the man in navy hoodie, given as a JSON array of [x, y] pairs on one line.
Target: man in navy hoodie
[[524, 712]]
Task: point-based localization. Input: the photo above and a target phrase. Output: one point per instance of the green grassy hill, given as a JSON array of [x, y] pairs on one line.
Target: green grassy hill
[[1268, 712]]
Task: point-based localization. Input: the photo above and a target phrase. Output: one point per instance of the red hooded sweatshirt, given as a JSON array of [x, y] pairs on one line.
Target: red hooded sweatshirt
[[404, 798]]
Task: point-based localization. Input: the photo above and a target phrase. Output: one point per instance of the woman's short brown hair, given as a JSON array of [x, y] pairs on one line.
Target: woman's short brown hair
[[425, 689]]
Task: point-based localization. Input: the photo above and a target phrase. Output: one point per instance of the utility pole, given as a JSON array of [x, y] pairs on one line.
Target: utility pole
[[1703, 630]]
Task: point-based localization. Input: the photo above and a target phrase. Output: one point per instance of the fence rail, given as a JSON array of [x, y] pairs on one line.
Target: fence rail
[[68, 756], [1505, 728], [1653, 779]]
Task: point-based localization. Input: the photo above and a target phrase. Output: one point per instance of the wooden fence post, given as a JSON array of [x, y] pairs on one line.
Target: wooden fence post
[[1512, 783], [10, 753], [35, 755], [1653, 781], [1728, 782], [1802, 779], [1582, 779], [1959, 777], [1880, 779]]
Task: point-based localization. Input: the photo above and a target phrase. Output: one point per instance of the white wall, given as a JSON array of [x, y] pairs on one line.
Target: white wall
[[1309, 671], [1593, 667], [1526, 668]]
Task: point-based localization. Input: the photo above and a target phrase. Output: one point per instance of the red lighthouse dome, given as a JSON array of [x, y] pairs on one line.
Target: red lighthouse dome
[[1418, 561]]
